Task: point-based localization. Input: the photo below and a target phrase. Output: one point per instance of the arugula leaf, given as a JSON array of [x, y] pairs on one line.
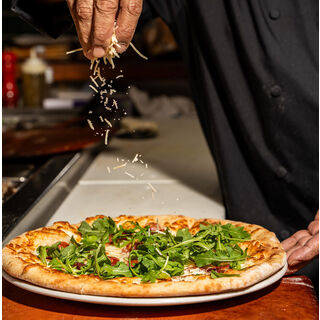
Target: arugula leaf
[[42, 251], [84, 228], [152, 256], [229, 255], [120, 269], [183, 234]]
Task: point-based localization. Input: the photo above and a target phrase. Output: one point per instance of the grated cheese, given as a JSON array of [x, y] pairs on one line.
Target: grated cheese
[[135, 159], [92, 63], [93, 88], [138, 52], [121, 166], [106, 137], [73, 51], [108, 122], [152, 187], [108, 168], [96, 67], [90, 124], [130, 175], [114, 102], [93, 79]]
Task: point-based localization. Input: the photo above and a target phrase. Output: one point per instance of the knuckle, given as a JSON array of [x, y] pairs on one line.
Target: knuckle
[[134, 7], [84, 11], [106, 6], [100, 34], [125, 34]]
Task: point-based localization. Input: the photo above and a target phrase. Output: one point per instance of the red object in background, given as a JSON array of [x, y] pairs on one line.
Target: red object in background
[[9, 85]]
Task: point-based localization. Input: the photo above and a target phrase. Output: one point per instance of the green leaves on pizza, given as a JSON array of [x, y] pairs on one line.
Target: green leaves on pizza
[[148, 253]]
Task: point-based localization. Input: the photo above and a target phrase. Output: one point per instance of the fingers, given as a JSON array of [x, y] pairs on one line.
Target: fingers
[[289, 243], [307, 252], [298, 245], [84, 13], [104, 17], [81, 12], [127, 20], [314, 227]]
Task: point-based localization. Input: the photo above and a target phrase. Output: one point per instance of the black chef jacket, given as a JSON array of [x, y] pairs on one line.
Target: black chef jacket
[[253, 72]]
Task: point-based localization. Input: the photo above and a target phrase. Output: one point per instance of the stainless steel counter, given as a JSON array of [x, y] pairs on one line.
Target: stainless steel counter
[[180, 168]]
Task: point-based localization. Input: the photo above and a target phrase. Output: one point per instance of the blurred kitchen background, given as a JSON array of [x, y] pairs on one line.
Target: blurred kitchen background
[[47, 102]]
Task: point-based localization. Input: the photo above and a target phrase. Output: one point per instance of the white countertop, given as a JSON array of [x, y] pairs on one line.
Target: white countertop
[[180, 168]]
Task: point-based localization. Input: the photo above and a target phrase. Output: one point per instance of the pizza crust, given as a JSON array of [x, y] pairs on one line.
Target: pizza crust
[[20, 261]]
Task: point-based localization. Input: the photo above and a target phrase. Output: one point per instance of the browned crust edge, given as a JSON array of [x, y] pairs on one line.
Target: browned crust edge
[[19, 262]]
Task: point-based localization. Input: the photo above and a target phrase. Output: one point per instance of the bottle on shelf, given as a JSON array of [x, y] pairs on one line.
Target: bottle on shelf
[[10, 94]]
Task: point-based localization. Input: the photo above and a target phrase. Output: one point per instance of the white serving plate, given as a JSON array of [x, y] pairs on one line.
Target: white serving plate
[[143, 302]]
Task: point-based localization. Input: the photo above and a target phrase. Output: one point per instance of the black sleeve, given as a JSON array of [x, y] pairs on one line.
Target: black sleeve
[[168, 10], [52, 19]]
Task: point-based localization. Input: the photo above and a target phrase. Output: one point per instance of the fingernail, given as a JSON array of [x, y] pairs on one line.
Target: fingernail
[[98, 52]]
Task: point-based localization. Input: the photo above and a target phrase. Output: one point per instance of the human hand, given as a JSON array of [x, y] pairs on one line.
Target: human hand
[[94, 21], [302, 246]]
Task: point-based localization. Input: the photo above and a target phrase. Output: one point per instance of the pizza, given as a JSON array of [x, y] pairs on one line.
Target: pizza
[[145, 256]]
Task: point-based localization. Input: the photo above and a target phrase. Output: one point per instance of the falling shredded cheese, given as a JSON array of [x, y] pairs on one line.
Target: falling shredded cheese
[[135, 159], [130, 175], [93, 88], [108, 168], [101, 119], [152, 187], [118, 167], [114, 102], [93, 79], [119, 76], [96, 67], [92, 63], [75, 50], [90, 124], [108, 122], [99, 75], [106, 137], [138, 52]]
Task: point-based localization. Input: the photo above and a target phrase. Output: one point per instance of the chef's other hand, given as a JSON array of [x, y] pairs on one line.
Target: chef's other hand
[[302, 247], [94, 21]]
